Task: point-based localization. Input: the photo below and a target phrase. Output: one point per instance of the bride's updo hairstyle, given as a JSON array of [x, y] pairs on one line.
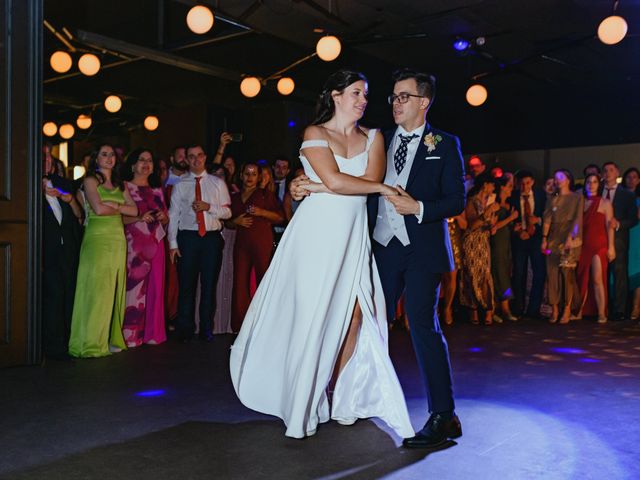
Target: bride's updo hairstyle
[[340, 80]]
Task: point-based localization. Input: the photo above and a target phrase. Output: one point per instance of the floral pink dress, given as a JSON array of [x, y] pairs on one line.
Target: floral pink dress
[[144, 314]]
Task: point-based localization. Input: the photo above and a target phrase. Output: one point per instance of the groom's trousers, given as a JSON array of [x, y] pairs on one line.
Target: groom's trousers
[[401, 270]]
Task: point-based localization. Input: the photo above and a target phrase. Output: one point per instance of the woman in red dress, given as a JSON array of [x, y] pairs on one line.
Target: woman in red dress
[[253, 210], [597, 250]]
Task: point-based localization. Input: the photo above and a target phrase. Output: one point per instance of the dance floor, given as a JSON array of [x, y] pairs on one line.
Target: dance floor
[[535, 401]]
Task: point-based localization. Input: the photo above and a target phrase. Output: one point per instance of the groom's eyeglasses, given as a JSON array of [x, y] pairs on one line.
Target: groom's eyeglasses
[[401, 97]]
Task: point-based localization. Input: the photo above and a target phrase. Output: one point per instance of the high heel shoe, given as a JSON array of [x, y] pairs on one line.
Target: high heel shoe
[[602, 319], [553, 319], [448, 317]]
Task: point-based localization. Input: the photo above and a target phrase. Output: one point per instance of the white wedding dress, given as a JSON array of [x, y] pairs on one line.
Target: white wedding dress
[[285, 353]]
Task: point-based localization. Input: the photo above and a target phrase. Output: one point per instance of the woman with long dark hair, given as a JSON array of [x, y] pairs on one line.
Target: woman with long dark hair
[[631, 181], [98, 308], [144, 314], [598, 249], [319, 312]]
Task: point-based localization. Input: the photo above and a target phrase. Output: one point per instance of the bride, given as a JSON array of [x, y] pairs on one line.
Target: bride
[[319, 312]]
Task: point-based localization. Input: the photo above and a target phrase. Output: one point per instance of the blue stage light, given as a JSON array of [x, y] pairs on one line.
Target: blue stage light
[[461, 45], [151, 393], [572, 351], [475, 349], [291, 124], [590, 360]]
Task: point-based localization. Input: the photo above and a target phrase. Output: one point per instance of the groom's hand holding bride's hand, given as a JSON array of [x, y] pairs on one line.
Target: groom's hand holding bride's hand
[[404, 203], [297, 190]]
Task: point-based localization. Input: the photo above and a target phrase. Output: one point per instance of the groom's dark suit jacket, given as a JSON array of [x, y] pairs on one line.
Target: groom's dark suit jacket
[[437, 180]]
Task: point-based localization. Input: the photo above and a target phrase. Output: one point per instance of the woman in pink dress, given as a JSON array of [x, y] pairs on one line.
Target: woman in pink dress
[[144, 315], [597, 250]]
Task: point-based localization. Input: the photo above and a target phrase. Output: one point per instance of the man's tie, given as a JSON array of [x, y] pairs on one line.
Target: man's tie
[[202, 228], [608, 195], [400, 157], [530, 228]]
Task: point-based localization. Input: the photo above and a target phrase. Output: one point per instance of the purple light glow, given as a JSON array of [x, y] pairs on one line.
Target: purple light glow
[[291, 124], [590, 360], [572, 351], [151, 393], [460, 45], [475, 349]]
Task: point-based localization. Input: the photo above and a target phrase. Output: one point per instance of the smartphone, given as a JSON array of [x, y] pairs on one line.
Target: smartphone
[[236, 137], [491, 199]]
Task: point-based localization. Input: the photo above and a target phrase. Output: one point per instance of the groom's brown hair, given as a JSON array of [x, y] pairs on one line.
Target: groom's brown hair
[[426, 83]]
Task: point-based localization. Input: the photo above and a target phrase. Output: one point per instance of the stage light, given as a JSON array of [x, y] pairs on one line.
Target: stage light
[[67, 131], [49, 129], [200, 19], [151, 393], [89, 64], [151, 123], [61, 61], [112, 103], [328, 48], [612, 30], [83, 121], [286, 86], [461, 44], [476, 95], [291, 124], [250, 87]]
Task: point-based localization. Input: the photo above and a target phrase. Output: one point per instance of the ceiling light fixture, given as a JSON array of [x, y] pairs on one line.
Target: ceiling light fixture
[[200, 19], [286, 85], [151, 123], [612, 30], [67, 131], [61, 61], [49, 129], [250, 86], [328, 48], [461, 45], [112, 103], [83, 121], [89, 64], [476, 95]]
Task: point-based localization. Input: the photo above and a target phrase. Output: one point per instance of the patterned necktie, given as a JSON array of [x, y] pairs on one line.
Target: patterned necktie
[[400, 157], [202, 228]]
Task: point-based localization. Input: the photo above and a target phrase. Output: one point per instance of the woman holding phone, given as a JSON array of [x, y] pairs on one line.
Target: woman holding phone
[[144, 314], [476, 282]]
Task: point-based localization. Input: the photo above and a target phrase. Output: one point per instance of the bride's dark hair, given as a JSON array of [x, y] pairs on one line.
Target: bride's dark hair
[[339, 80]]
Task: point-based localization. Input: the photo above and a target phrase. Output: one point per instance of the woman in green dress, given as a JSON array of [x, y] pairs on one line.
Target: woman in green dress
[[98, 311]]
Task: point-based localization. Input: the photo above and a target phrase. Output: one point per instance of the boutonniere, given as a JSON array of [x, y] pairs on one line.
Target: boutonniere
[[431, 141]]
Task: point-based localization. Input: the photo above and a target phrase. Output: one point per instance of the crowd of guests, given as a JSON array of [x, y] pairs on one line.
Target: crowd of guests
[[141, 246], [573, 247]]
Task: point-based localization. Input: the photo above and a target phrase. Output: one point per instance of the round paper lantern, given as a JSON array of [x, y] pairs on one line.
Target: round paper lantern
[[250, 87], [328, 48], [476, 95], [286, 85], [112, 103], [89, 64], [67, 131], [200, 19], [151, 123], [612, 30], [61, 61], [49, 129], [83, 121]]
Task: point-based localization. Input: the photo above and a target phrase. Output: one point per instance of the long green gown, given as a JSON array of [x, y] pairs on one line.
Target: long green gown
[[99, 304]]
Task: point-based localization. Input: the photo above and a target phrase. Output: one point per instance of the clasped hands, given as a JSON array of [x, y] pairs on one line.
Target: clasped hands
[[404, 203]]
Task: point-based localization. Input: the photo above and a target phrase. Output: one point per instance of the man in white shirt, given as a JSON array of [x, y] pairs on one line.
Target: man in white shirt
[[281, 169], [179, 165], [199, 203]]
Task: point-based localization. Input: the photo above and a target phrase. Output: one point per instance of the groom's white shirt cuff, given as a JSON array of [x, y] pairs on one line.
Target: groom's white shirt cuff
[[419, 215]]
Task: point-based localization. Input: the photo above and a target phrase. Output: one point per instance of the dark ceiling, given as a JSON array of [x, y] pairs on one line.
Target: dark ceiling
[[551, 82]]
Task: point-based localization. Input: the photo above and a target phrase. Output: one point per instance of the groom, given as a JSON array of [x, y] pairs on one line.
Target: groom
[[411, 241]]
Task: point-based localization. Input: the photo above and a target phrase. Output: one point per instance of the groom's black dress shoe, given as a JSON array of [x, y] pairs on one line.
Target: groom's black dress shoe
[[436, 432]]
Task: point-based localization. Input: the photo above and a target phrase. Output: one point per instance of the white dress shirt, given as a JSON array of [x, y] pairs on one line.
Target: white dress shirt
[[181, 214], [390, 223], [281, 186]]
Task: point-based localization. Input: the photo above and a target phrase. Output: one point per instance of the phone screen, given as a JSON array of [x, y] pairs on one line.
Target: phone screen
[[236, 137]]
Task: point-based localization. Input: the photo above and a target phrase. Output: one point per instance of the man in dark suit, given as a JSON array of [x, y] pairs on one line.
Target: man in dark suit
[[411, 240], [625, 217], [527, 238], [60, 254]]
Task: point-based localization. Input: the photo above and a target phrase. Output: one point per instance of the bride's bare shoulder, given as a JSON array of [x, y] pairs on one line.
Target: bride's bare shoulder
[[315, 132]]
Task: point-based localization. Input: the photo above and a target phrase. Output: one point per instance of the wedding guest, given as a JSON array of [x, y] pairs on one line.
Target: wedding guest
[[476, 284], [229, 162], [254, 210], [144, 318], [199, 203], [281, 170], [549, 187], [99, 304], [527, 236], [456, 226], [625, 217], [501, 246], [163, 171], [61, 235], [266, 179], [631, 181], [597, 250], [179, 165], [561, 242], [591, 169], [476, 168]]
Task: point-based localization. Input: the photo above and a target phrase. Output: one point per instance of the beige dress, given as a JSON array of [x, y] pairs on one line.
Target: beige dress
[[564, 214]]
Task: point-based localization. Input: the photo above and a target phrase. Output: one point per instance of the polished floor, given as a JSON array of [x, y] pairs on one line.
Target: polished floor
[[536, 401]]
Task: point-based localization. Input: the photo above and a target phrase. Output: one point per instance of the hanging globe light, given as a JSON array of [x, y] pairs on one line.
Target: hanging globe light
[[612, 30], [89, 64], [112, 103], [49, 129], [476, 95], [250, 87], [200, 19], [61, 61], [328, 48], [83, 121], [151, 123], [67, 131], [286, 86]]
